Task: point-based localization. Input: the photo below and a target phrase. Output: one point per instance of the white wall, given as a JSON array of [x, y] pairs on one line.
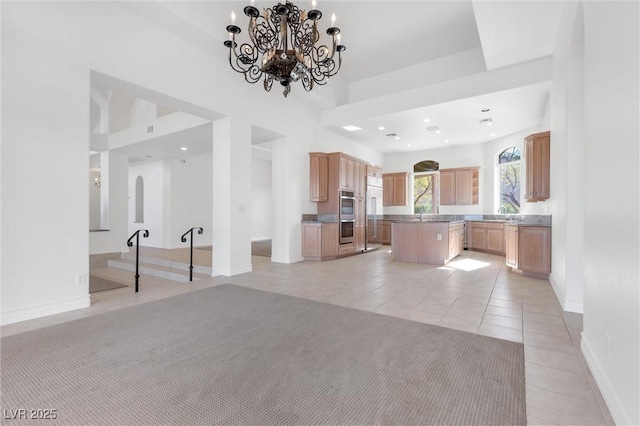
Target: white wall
[[94, 200], [191, 199], [113, 215], [45, 217], [157, 202], [483, 156], [567, 165], [261, 199], [611, 204]]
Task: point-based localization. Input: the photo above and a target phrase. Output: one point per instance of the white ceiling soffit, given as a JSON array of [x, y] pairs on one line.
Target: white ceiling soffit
[[512, 32], [197, 140], [133, 91], [262, 136]]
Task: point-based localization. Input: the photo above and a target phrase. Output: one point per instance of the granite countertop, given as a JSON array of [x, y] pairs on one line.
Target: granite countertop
[[518, 220]]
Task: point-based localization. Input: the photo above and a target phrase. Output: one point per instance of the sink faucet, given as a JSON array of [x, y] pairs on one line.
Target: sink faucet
[[502, 210]]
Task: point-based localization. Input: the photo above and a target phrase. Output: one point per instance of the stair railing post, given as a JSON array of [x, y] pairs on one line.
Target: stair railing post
[[184, 240], [136, 234]]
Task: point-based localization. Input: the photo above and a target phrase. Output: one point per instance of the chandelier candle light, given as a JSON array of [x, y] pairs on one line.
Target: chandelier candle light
[[283, 47]]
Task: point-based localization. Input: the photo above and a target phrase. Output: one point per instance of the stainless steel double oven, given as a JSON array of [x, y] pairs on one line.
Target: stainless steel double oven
[[347, 216]]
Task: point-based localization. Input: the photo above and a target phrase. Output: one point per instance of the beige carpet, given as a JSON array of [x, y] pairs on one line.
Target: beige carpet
[[233, 355]]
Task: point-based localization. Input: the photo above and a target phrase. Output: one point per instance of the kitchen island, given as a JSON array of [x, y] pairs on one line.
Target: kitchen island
[[427, 241]]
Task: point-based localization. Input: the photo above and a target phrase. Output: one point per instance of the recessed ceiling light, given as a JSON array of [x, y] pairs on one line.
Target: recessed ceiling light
[[485, 110], [426, 120], [408, 145], [438, 132], [184, 148], [446, 140], [492, 134], [381, 128], [396, 137], [351, 128]]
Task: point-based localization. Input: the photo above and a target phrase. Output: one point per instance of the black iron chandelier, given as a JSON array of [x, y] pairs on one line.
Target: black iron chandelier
[[283, 47]]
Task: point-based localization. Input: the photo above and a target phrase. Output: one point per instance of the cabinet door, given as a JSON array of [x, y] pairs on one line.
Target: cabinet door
[[359, 231], [318, 178], [453, 244], [534, 246], [386, 232], [537, 152], [343, 173], [330, 239], [479, 237], [311, 240], [360, 185], [512, 247], [447, 188], [495, 238], [400, 190], [463, 183], [387, 191]]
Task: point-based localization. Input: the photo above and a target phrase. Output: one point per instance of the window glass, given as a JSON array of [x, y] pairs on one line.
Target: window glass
[[509, 174], [424, 193]]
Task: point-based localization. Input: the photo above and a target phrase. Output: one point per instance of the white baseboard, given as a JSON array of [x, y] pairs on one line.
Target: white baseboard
[[287, 260], [44, 310], [611, 398], [566, 305], [231, 272]]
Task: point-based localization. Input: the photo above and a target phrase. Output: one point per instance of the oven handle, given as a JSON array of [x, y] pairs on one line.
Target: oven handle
[[347, 220]]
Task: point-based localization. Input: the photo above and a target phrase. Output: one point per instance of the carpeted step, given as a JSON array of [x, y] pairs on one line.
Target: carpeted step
[[167, 263], [155, 270]]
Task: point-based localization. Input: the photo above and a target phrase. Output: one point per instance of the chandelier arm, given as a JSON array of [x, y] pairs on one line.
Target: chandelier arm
[[283, 46]]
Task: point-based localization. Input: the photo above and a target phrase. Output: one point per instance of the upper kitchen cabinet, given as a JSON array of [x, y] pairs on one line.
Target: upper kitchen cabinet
[[459, 186], [536, 151], [394, 189], [318, 177], [374, 171]]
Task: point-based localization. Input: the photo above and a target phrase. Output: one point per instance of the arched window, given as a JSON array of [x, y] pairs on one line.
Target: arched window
[[139, 200], [509, 180], [425, 182]]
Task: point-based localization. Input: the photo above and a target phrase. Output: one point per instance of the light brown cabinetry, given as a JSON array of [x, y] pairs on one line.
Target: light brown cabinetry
[[374, 171], [319, 241], [426, 242], [459, 186], [537, 155], [360, 179], [318, 177], [379, 231], [359, 233], [394, 189], [486, 237], [456, 239], [331, 173], [529, 250]]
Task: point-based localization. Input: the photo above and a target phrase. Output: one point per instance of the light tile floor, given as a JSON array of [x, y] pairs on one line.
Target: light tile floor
[[475, 293]]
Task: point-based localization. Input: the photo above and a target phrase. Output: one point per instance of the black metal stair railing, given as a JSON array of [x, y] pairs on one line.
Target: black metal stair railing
[[184, 240], [130, 244]]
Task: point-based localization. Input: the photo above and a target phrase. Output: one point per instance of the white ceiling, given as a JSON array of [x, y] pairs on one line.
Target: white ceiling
[[458, 121], [384, 36]]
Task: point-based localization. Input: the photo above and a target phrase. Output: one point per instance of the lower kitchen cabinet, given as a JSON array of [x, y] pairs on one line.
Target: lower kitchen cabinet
[[487, 237], [456, 239], [382, 234], [529, 250], [320, 241]]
